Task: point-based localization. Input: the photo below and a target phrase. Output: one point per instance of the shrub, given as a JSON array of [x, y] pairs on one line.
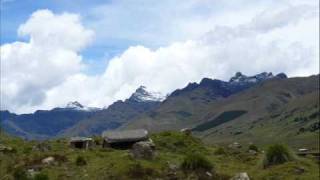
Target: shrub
[[277, 154], [80, 161], [20, 174], [136, 170], [253, 147], [27, 150], [195, 161], [220, 151], [41, 176]]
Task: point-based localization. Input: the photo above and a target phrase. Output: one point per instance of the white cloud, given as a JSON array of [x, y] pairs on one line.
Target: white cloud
[[277, 40], [30, 69]]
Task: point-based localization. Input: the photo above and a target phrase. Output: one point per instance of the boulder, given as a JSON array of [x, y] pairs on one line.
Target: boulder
[[6, 149], [48, 161], [241, 176], [235, 145], [186, 131], [143, 150], [252, 152]]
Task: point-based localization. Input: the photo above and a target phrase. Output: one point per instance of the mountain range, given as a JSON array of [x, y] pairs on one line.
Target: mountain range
[[255, 108]]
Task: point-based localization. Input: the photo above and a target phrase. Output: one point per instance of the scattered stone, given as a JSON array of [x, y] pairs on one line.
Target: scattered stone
[[208, 174], [143, 150], [186, 131], [5, 149], [252, 152], [42, 147], [241, 176], [48, 161], [303, 150], [172, 167], [32, 172], [299, 170], [235, 145]]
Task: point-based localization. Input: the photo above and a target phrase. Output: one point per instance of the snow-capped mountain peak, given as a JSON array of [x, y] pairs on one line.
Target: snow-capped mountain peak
[[143, 95], [241, 78], [75, 105]]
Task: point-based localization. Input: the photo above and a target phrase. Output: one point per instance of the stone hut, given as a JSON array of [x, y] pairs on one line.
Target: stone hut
[[81, 142], [124, 139]]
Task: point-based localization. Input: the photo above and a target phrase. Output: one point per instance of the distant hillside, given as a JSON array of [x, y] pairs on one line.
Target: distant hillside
[[268, 111], [116, 114], [41, 124], [76, 119]]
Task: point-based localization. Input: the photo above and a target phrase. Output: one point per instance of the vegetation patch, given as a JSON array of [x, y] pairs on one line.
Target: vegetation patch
[[196, 161], [253, 147], [80, 161], [277, 154], [177, 142], [222, 118]]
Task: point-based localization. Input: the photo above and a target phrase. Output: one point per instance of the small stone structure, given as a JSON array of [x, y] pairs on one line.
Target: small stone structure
[[124, 139], [81, 142]]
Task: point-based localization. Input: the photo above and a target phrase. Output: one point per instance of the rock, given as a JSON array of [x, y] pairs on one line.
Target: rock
[[299, 170], [186, 131], [32, 172], [143, 150], [6, 149], [48, 161], [42, 147], [241, 176], [172, 167], [252, 152], [208, 174], [235, 145]]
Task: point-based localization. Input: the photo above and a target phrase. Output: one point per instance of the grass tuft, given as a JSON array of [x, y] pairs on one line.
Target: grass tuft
[[277, 154], [196, 161]]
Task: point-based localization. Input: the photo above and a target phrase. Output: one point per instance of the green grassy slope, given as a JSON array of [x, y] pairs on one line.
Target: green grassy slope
[[265, 104], [171, 148]]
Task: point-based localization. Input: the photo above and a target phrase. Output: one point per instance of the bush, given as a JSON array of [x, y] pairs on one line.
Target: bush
[[277, 154], [253, 147], [195, 161], [136, 170], [20, 174], [41, 176], [220, 151], [80, 161]]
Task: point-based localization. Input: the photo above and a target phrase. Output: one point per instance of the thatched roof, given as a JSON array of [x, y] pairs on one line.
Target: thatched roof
[[125, 136], [77, 139]]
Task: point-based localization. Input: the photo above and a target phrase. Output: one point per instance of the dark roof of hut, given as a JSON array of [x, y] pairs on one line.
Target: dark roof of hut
[[77, 139], [125, 135]]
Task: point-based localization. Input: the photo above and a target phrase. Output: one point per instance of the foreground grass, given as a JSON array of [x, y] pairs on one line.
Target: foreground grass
[[171, 147]]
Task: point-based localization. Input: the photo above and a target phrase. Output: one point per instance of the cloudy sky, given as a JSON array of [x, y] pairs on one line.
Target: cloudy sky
[[96, 52]]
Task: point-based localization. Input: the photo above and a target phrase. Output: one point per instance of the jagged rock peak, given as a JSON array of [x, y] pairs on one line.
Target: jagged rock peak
[[74, 104], [142, 95], [239, 77]]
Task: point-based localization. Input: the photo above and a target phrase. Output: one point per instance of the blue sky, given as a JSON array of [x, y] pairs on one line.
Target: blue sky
[[97, 52], [16, 12], [130, 19]]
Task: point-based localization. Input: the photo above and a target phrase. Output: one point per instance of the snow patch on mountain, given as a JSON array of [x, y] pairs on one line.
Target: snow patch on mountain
[[75, 105], [143, 95], [241, 78]]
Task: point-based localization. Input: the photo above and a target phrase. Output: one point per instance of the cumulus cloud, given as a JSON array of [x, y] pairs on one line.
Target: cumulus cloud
[[30, 69], [279, 40]]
